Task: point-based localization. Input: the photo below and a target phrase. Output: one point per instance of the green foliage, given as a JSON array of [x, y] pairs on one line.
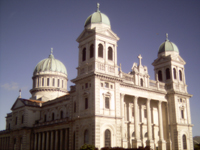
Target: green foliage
[[197, 147], [87, 147]]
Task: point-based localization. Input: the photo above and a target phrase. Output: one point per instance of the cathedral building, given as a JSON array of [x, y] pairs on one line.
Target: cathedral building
[[106, 107]]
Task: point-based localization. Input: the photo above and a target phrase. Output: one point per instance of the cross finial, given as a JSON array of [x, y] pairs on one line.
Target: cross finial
[[140, 60], [167, 37], [51, 51], [20, 93], [98, 7]]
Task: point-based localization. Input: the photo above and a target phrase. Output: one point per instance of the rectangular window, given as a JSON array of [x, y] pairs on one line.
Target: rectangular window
[[107, 103], [58, 82], [42, 81], [107, 85], [16, 121], [38, 82], [132, 111], [145, 113], [182, 114], [53, 83], [86, 103], [74, 107], [47, 81], [86, 85], [22, 119]]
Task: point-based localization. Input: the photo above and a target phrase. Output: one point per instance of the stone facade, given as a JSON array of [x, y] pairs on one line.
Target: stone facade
[[106, 106]]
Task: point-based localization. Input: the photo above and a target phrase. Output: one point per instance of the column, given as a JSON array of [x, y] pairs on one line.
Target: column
[[43, 141], [149, 141], [122, 115], [56, 141], [161, 142], [36, 139], [61, 139], [52, 135], [137, 142], [39, 141], [47, 140]]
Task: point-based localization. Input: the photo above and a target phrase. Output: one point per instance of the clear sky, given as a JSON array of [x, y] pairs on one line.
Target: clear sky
[[28, 30]]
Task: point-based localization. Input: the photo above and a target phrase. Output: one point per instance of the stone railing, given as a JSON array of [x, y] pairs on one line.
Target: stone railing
[[127, 77], [51, 122], [156, 85]]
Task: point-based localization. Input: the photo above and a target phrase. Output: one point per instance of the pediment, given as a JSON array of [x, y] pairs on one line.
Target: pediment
[[108, 33], [86, 33], [18, 103], [178, 59], [161, 60], [102, 32]]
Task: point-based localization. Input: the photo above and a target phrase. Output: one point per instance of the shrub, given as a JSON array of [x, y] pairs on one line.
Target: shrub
[[88, 147]]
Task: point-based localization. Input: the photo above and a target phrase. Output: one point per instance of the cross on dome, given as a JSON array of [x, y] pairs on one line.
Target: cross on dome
[[98, 7], [167, 37], [51, 51], [140, 60]]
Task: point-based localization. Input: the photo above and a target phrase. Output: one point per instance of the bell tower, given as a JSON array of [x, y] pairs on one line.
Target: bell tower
[[169, 68], [97, 46]]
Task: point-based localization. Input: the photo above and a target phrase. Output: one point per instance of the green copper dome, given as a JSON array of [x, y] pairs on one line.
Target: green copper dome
[[97, 17], [50, 64], [168, 46]]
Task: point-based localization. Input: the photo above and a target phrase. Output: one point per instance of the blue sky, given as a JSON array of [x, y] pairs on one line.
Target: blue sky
[[28, 30]]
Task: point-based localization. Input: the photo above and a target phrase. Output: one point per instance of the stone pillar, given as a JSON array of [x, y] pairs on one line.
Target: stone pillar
[[43, 141], [52, 136], [137, 142], [39, 141], [36, 143], [122, 113], [161, 142], [61, 139], [47, 140], [149, 141], [56, 141]]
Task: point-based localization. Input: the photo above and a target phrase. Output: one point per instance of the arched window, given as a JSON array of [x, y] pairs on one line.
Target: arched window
[[160, 75], [110, 53], [174, 70], [180, 75], [61, 114], [86, 137], [107, 138], [146, 135], [141, 82], [86, 103], [133, 134], [167, 73], [184, 142], [100, 51], [91, 50], [52, 116], [84, 54]]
